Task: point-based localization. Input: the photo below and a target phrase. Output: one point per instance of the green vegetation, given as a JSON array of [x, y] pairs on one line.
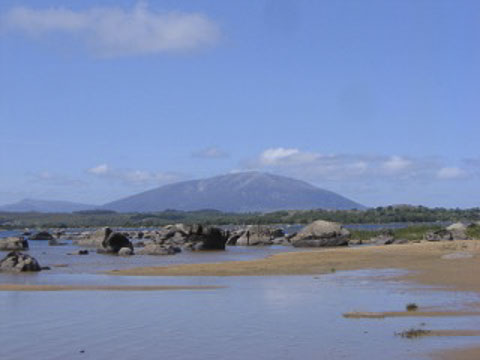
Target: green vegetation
[[379, 215], [410, 233]]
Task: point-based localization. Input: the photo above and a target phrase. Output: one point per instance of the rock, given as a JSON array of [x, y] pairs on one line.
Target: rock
[[209, 238], [125, 251], [156, 249], [114, 241], [19, 262], [55, 242], [438, 235], [42, 235], [321, 233], [259, 235], [79, 252], [93, 239], [457, 255], [13, 243], [385, 238], [458, 231]]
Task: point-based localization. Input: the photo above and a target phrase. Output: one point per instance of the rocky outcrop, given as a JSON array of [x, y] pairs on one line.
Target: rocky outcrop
[[321, 234], [457, 231], [438, 235], [258, 235], [13, 243], [125, 251], [42, 235], [19, 262], [90, 239]]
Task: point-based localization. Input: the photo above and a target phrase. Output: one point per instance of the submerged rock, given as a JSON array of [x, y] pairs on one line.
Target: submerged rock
[[19, 262], [321, 234]]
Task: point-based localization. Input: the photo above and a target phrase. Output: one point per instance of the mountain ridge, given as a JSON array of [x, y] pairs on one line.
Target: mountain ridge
[[237, 192]]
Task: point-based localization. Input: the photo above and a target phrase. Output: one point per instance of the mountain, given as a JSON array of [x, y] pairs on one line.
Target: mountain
[[238, 192], [26, 205]]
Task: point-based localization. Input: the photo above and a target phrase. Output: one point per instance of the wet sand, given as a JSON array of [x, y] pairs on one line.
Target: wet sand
[[458, 354], [18, 287], [391, 314], [424, 260]]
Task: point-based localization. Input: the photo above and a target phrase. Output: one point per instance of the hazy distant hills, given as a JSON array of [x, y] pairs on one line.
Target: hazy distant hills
[[27, 205], [238, 192]]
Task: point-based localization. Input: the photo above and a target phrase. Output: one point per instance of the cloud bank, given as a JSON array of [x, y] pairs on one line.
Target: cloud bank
[[353, 167], [112, 31]]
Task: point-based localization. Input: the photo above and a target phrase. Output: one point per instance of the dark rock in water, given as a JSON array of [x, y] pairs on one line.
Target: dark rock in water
[[210, 238], [114, 241], [321, 234], [13, 243], [42, 235], [19, 262], [79, 252]]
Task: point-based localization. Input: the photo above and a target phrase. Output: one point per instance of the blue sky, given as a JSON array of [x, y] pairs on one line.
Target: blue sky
[[377, 100]]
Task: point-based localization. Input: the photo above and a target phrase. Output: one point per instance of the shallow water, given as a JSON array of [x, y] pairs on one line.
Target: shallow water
[[276, 317], [281, 317]]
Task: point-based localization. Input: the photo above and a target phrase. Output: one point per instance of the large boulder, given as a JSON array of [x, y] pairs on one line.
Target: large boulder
[[88, 238], [458, 231], [42, 235], [320, 234], [114, 241], [13, 243], [19, 262]]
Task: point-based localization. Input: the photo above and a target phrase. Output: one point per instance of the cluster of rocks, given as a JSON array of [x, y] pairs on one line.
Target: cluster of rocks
[[18, 262], [258, 235], [457, 231], [13, 243], [387, 237], [173, 238]]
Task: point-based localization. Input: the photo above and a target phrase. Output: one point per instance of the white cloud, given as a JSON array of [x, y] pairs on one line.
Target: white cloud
[[447, 173], [351, 168], [396, 164], [113, 31], [102, 169], [279, 156], [133, 177], [212, 152]]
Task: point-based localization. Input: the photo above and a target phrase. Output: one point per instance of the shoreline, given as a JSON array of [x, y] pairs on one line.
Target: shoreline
[[439, 265], [45, 287], [427, 263]]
